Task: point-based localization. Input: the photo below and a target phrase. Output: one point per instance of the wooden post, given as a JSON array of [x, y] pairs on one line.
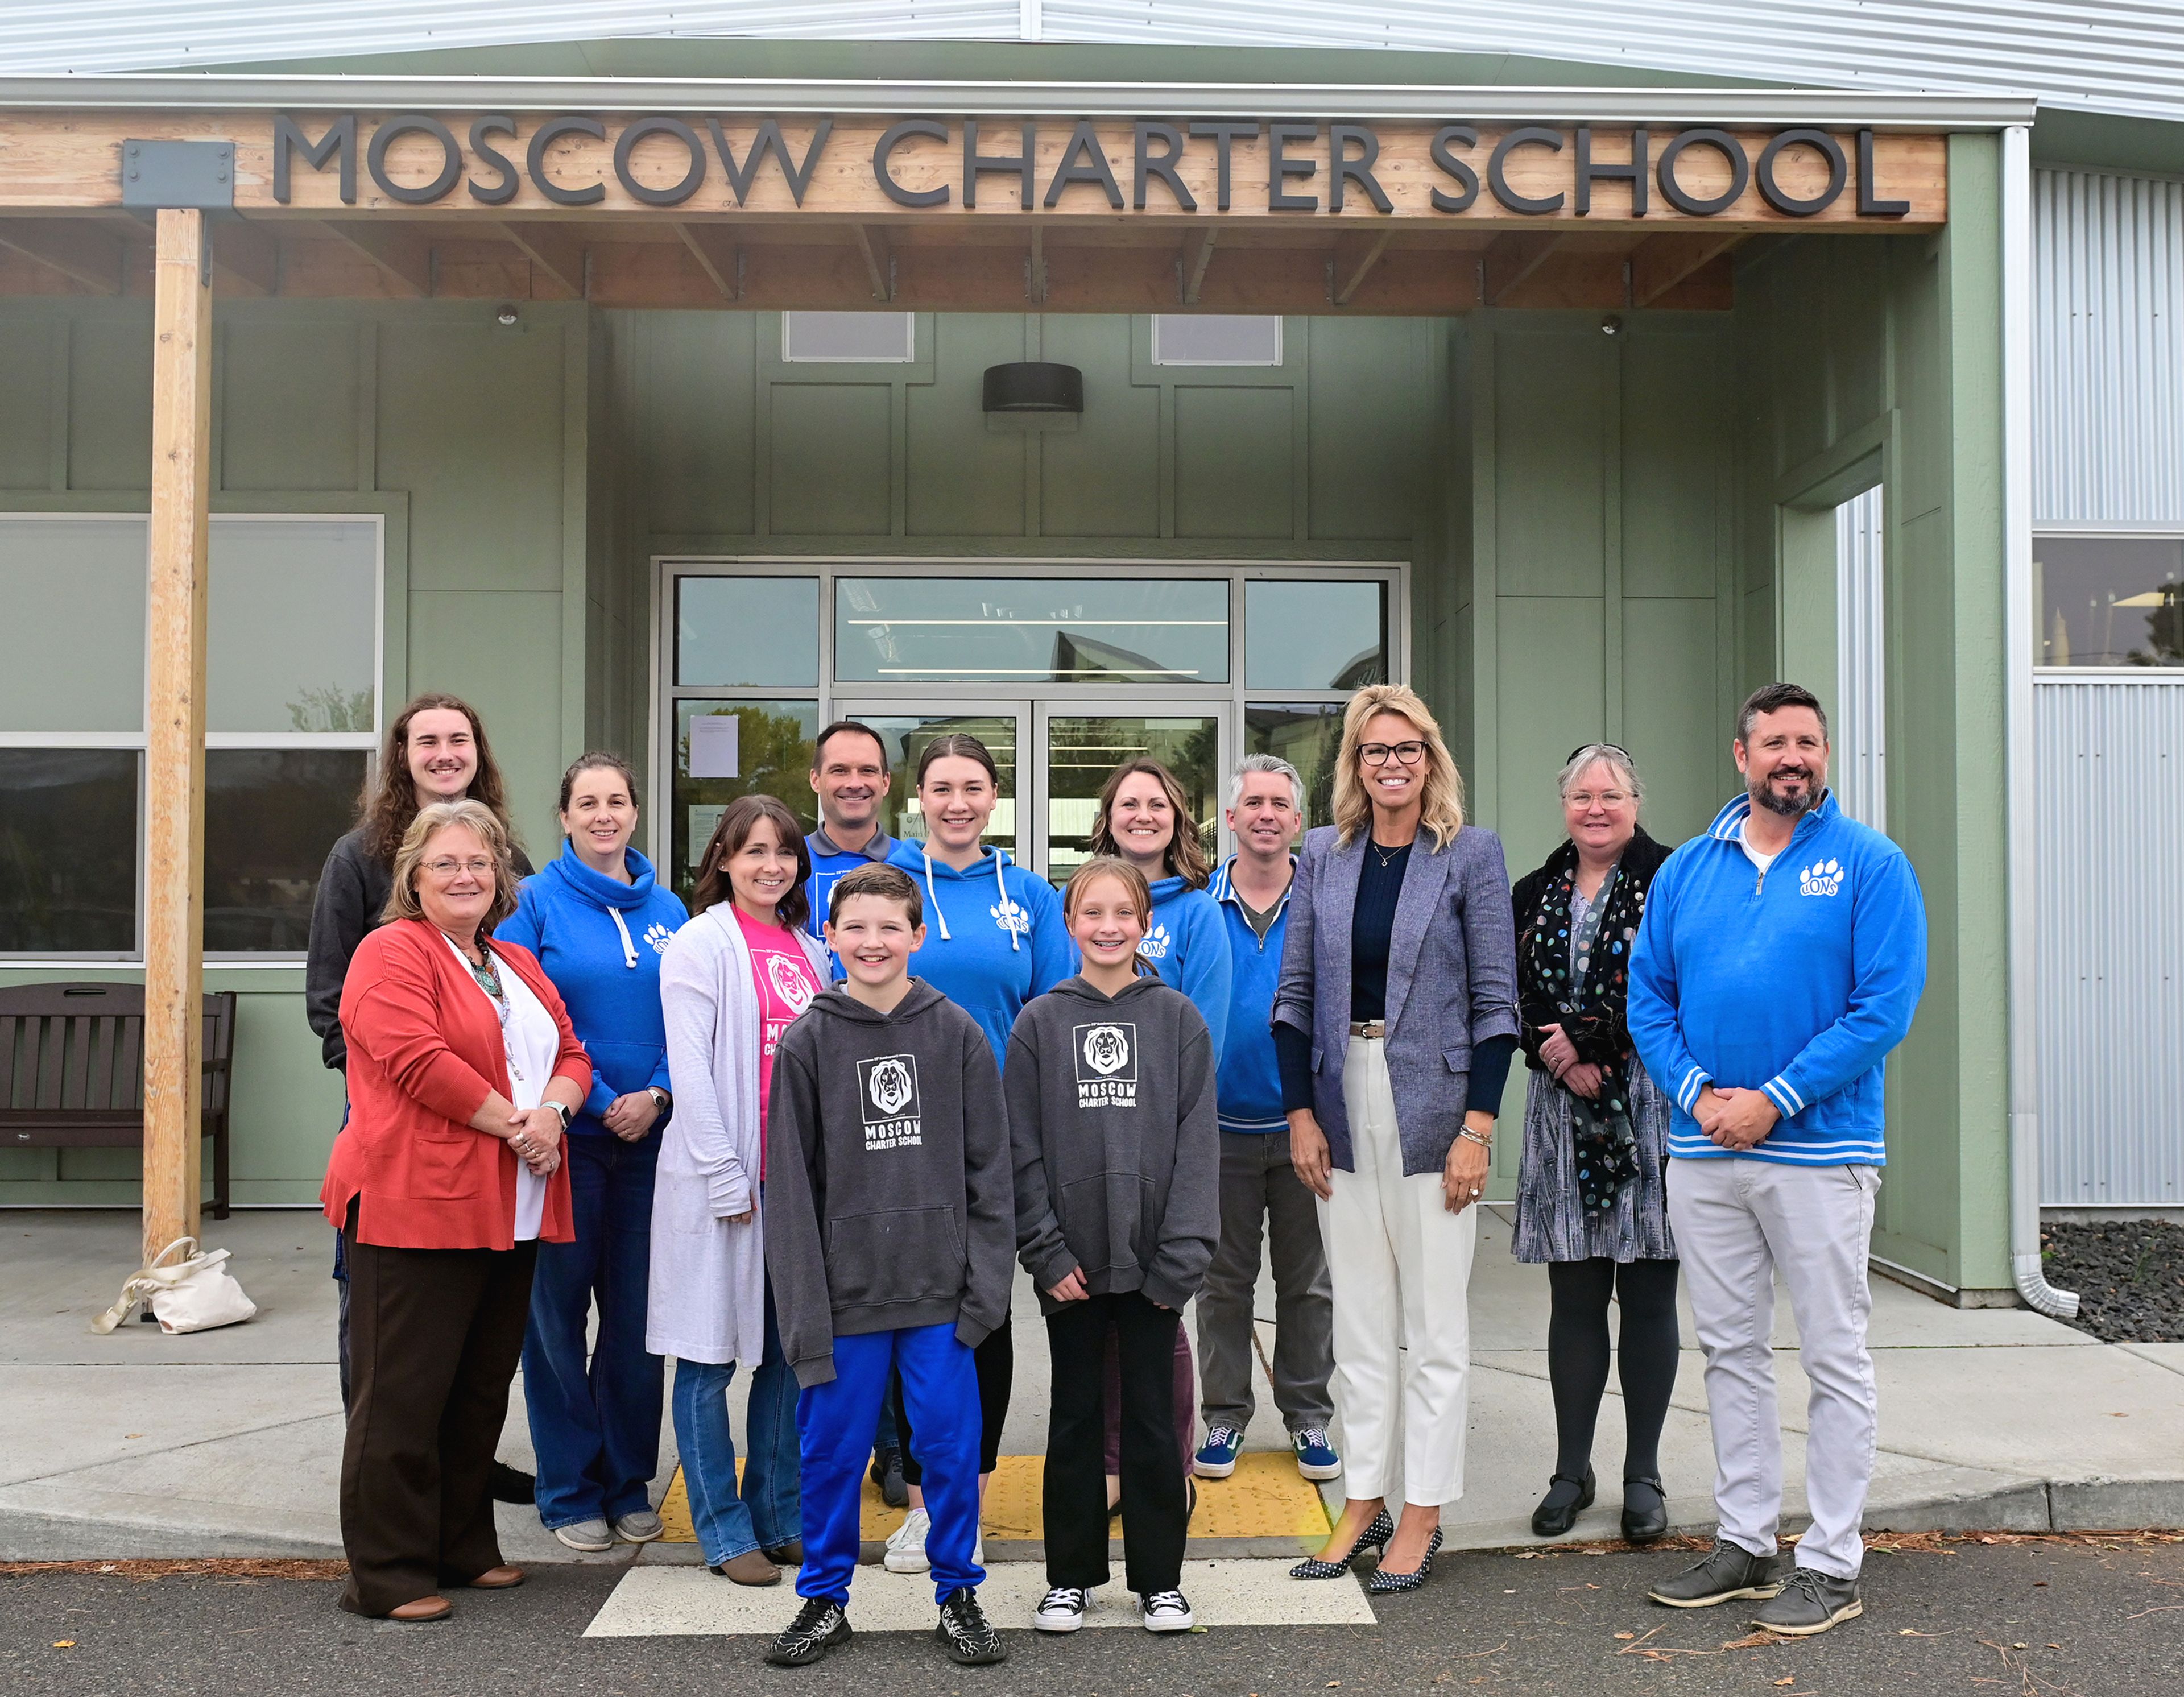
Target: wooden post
[[174, 726]]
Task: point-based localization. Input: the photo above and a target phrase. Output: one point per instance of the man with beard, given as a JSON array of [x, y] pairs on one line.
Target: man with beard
[[1779, 961]]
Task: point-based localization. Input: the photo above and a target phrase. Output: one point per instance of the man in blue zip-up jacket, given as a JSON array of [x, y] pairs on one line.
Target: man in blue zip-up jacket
[[1260, 1190], [1781, 959]]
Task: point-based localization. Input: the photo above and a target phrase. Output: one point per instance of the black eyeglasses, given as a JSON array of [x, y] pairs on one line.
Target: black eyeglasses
[[1612, 747], [1379, 754]]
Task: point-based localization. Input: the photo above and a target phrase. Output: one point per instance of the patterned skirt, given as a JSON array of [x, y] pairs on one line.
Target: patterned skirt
[[1550, 1221]]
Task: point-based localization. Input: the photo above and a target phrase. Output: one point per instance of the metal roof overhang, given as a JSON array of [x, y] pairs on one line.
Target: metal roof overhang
[[1834, 108]]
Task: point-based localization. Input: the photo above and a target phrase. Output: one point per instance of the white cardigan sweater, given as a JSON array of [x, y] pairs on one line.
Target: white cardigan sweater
[[708, 1291]]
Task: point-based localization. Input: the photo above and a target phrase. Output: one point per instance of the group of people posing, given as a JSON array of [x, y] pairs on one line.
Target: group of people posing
[[806, 1126]]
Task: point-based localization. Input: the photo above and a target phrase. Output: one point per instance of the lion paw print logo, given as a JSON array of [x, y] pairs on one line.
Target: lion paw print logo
[[1821, 878], [1011, 915], [659, 936], [1155, 946]]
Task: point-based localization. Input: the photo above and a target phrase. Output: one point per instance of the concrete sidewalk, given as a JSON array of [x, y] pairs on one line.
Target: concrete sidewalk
[[228, 1443]]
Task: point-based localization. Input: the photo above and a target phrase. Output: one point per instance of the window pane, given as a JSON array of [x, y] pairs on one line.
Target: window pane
[[2109, 601], [772, 756], [67, 850], [271, 816], [1307, 736], [747, 632], [1007, 629], [1315, 636], [905, 739], [1215, 339], [73, 593], [822, 336], [292, 640], [1081, 752]]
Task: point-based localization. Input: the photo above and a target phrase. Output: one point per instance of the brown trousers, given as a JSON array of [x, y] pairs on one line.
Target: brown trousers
[[434, 1338]]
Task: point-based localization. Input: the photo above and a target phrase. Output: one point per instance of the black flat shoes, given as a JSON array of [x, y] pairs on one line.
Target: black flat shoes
[[1644, 1511], [1565, 1501]]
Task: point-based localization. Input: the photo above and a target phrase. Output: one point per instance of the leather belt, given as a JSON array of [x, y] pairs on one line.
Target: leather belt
[[1372, 1028]]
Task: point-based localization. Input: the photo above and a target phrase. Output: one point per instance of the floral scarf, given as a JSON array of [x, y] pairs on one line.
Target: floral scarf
[[1584, 988]]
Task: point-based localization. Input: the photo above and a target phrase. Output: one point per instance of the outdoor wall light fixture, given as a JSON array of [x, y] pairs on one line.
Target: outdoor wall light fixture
[[1611, 325], [1033, 394], [505, 317]]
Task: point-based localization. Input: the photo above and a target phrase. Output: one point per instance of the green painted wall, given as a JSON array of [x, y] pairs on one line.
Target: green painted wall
[[472, 440]]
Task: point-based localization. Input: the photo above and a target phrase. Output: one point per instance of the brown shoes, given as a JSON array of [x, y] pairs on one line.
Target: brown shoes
[[750, 1568], [497, 1579], [423, 1609]]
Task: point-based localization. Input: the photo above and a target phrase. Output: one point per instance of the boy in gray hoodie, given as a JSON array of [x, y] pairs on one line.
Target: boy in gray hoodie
[[1112, 1115], [887, 1242]]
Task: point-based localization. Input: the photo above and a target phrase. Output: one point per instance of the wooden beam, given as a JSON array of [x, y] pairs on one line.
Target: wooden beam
[[714, 247], [173, 729], [1035, 276], [246, 258], [74, 247], [1355, 257], [1197, 255], [879, 259], [1511, 259], [556, 249], [1659, 263], [401, 252]]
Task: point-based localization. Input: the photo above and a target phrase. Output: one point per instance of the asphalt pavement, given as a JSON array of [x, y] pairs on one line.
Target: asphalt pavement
[[2055, 1616]]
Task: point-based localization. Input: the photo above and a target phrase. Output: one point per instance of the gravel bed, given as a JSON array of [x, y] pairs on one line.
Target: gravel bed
[[2129, 1277]]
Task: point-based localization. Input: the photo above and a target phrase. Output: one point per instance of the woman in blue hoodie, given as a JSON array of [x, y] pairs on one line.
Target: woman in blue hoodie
[[995, 938], [1145, 819], [599, 922]]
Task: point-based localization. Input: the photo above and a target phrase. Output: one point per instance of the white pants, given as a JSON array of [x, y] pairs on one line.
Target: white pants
[[1402, 1269], [1737, 1221]]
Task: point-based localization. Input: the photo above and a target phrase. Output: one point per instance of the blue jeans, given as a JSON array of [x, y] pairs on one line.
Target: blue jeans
[[766, 1511], [940, 1392], [595, 1423]]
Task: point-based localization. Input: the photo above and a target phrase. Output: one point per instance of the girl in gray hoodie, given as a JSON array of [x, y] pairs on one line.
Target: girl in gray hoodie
[[1110, 1081]]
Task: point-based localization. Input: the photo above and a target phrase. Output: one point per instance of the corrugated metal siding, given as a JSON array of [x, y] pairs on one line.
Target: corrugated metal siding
[[2100, 58], [2108, 265], [1858, 772], [2110, 941]]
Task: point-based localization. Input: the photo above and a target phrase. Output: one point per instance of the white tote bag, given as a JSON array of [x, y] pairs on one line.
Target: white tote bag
[[192, 1294]]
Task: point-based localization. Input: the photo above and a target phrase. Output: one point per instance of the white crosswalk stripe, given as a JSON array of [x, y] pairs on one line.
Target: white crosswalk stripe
[[658, 1601]]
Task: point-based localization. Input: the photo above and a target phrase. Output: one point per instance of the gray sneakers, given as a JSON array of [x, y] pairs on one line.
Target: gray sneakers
[[1729, 1571], [639, 1525], [591, 1536], [1810, 1602]]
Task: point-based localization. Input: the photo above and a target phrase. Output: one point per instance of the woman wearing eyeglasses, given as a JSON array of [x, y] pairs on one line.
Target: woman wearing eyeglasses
[[1395, 1023], [1591, 1198]]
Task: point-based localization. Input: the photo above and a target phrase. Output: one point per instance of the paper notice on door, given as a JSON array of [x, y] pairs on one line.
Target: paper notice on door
[[713, 745], [705, 820]]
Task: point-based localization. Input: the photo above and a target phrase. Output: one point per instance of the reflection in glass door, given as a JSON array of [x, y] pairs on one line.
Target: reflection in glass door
[[1082, 749], [905, 730]]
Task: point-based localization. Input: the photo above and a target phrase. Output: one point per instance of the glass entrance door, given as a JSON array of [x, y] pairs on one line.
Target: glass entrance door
[[905, 728], [1082, 744]]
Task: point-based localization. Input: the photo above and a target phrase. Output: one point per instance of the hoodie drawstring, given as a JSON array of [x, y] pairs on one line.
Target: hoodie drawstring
[[1000, 887], [1008, 919], [932, 900], [628, 947]]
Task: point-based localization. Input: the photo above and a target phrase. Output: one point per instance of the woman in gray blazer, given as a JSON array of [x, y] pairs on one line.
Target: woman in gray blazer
[[1395, 1023]]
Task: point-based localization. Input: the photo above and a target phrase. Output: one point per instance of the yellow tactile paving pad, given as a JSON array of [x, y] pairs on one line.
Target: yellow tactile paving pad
[[1266, 1497]]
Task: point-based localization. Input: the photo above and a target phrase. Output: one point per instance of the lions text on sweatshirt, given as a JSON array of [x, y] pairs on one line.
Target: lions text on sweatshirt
[[993, 936], [600, 942], [1117, 1156], [1797, 981], [1187, 943], [888, 1202]]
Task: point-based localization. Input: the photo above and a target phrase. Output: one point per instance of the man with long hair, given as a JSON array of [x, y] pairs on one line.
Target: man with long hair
[[436, 751]]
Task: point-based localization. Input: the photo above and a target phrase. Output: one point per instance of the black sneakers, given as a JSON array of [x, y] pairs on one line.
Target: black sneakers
[[1729, 1571], [819, 1626], [887, 1474], [1810, 1602], [964, 1632]]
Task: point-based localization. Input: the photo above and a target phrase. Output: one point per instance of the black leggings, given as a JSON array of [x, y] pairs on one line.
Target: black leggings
[[996, 1361], [1577, 1358]]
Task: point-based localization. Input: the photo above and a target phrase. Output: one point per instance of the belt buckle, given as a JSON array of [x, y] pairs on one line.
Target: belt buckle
[[1376, 1030]]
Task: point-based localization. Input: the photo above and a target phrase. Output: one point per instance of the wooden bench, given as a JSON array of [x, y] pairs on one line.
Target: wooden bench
[[72, 1070]]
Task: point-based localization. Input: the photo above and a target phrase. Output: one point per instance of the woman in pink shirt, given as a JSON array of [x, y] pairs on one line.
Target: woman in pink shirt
[[732, 982]]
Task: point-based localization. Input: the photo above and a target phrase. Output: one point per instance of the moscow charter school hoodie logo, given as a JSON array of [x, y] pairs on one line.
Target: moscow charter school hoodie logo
[[1106, 1065], [887, 1091]]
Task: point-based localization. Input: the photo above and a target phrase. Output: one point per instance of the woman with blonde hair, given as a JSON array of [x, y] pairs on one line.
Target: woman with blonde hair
[[1394, 1023]]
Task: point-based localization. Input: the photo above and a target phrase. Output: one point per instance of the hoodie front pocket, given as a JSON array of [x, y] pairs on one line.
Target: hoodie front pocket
[[1107, 1221], [897, 1255]]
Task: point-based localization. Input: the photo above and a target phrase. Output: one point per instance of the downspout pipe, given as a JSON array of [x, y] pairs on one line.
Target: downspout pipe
[[2018, 615]]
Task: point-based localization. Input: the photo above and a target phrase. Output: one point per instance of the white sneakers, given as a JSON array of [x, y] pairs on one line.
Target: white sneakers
[[1061, 1610], [905, 1545], [1167, 1612]]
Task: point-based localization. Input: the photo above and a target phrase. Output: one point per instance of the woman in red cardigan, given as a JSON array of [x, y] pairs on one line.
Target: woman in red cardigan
[[463, 1071]]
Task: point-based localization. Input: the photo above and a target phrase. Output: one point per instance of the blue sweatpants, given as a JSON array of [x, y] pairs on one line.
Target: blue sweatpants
[[834, 1424]]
